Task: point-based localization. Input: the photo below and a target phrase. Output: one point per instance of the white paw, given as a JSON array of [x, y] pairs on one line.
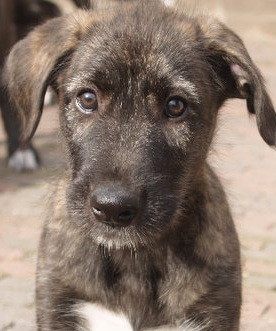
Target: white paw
[[23, 160]]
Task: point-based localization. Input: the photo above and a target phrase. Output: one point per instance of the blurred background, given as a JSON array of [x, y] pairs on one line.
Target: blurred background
[[246, 165]]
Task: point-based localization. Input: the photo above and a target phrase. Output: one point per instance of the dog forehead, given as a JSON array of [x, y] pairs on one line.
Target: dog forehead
[[129, 49]]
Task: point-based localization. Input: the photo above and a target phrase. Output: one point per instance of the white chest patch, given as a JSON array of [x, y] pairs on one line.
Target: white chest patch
[[100, 319], [169, 3]]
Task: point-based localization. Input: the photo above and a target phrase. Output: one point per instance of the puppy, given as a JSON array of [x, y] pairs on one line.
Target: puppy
[[139, 234]]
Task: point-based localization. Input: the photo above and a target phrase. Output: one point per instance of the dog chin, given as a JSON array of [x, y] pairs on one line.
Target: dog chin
[[130, 237]]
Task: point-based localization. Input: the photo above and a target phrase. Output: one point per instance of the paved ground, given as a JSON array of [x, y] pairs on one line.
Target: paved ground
[[245, 164]]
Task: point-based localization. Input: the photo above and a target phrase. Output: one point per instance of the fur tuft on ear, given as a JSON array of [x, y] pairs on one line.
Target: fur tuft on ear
[[34, 60], [238, 75]]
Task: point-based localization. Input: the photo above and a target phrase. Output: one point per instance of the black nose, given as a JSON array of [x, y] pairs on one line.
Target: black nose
[[115, 205]]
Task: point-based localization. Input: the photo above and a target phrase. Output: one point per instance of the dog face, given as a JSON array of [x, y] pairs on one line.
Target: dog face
[[139, 93], [131, 103]]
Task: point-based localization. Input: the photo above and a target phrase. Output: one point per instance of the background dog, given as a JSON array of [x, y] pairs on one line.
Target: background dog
[[139, 225], [17, 18]]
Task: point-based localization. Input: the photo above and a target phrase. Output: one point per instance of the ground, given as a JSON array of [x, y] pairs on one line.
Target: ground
[[243, 161]]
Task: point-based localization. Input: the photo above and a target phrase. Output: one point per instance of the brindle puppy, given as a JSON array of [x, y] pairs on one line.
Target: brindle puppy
[[139, 228]]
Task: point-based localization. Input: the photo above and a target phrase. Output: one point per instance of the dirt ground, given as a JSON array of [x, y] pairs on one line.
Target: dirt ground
[[245, 164]]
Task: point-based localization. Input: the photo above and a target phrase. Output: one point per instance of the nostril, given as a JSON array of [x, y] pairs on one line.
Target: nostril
[[127, 215], [99, 214]]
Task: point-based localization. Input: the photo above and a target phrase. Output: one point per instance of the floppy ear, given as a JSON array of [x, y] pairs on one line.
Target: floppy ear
[[35, 60], [239, 76]]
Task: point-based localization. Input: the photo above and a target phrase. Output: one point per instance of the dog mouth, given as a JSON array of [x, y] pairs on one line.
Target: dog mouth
[[114, 235], [144, 230], [118, 217]]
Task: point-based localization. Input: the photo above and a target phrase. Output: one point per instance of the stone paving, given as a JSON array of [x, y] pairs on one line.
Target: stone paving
[[243, 161]]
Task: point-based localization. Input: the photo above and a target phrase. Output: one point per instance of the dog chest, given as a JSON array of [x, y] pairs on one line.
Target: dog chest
[[98, 318], [135, 304]]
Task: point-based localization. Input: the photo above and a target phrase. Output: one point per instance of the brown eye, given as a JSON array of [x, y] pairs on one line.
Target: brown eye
[[176, 107], [87, 102]]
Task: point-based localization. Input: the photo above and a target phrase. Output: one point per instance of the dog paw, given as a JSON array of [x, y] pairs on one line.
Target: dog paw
[[23, 160]]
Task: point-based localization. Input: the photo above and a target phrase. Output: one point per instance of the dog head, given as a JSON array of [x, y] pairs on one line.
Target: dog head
[[139, 90]]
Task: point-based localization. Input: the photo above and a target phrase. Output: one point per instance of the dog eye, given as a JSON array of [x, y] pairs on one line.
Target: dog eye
[[176, 107], [87, 102]]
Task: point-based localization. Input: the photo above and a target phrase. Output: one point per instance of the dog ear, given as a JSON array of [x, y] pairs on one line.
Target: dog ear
[[33, 63], [239, 76]]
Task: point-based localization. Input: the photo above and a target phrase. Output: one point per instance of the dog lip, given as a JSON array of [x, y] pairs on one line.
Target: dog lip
[[113, 224]]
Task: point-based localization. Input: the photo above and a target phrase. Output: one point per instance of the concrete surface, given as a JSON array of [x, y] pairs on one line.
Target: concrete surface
[[246, 165]]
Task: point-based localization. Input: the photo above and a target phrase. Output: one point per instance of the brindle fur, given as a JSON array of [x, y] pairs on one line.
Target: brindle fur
[[180, 261]]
